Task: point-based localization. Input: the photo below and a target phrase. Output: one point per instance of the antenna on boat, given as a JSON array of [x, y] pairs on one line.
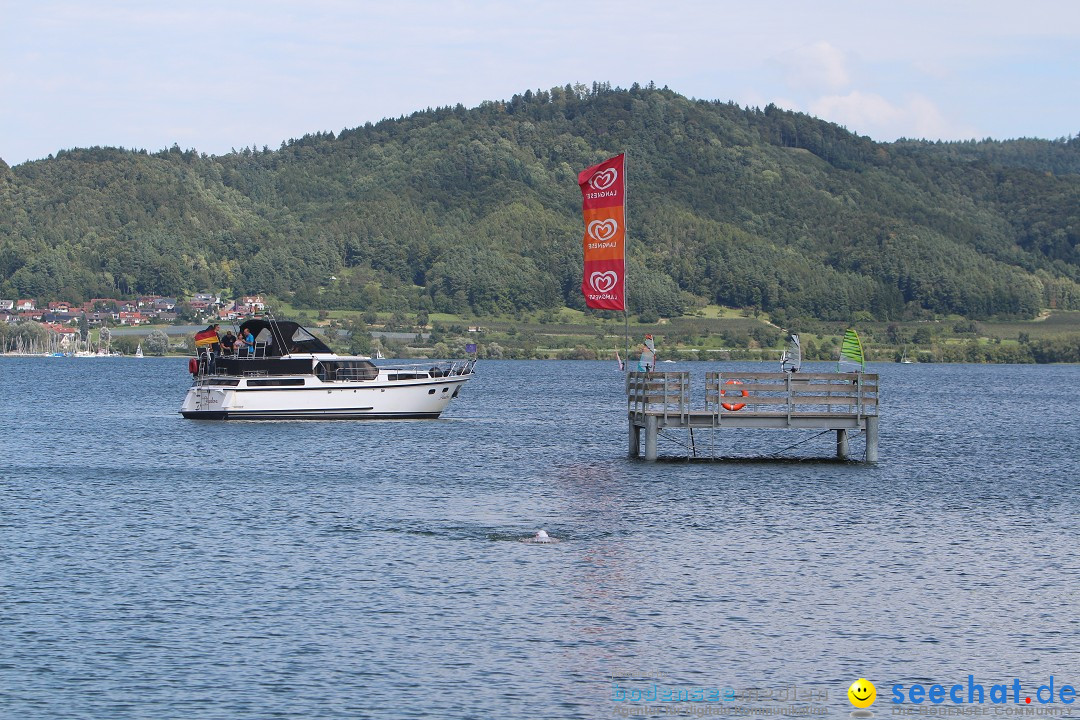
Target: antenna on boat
[[275, 331]]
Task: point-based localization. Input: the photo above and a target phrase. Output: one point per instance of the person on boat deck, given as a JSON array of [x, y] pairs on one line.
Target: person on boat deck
[[245, 343], [228, 342], [215, 350], [216, 347]]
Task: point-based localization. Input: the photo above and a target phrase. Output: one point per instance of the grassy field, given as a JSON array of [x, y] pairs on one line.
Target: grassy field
[[709, 333], [1054, 322]]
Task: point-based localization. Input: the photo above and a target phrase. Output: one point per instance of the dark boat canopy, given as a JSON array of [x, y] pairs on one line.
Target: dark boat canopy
[[283, 337]]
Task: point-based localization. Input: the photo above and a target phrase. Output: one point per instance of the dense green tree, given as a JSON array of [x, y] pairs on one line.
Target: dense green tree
[[477, 210], [157, 342]]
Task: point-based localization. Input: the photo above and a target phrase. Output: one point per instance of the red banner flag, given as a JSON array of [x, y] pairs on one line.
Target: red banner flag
[[603, 189]]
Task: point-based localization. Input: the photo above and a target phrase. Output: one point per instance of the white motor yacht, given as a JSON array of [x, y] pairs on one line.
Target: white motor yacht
[[290, 374]]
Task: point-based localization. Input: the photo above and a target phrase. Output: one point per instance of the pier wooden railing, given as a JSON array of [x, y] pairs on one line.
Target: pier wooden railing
[[790, 395], [662, 393], [842, 402]]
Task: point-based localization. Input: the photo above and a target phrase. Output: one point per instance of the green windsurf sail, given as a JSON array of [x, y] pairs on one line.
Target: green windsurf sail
[[851, 354]]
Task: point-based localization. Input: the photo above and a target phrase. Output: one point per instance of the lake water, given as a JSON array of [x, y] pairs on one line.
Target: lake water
[[154, 567]]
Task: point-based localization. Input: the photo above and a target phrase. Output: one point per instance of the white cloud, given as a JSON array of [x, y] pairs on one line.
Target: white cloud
[[873, 115], [815, 68]]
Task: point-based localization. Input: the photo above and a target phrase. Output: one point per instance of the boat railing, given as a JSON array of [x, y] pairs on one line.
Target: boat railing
[[446, 368], [343, 372], [258, 353], [414, 371]]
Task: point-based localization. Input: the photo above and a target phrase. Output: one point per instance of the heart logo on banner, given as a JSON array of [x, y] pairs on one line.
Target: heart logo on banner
[[603, 229], [602, 282], [605, 179]]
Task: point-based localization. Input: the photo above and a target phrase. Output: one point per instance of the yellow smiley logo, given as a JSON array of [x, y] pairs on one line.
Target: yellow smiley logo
[[862, 693]]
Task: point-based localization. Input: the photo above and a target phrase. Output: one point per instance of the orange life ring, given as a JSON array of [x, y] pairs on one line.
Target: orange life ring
[[733, 406]]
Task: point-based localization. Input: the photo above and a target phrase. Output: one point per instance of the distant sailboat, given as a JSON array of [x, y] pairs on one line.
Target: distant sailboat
[[82, 347], [851, 354], [904, 358], [138, 351]]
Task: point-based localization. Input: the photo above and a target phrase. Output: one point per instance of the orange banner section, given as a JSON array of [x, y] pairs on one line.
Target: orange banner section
[[603, 190], [604, 234]]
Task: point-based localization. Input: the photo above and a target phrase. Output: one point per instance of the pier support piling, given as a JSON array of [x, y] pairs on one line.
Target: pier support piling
[[635, 440], [841, 445], [871, 439], [650, 437]]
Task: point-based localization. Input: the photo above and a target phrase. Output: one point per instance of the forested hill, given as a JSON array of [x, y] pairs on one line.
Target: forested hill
[[480, 207]]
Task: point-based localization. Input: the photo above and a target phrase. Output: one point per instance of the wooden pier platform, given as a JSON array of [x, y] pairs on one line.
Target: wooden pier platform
[[843, 402]]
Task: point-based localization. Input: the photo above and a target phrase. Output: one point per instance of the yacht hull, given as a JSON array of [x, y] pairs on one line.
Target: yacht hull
[[315, 400], [304, 415]]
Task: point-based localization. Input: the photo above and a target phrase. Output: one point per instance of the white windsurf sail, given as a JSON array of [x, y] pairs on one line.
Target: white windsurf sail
[[791, 360], [648, 355]]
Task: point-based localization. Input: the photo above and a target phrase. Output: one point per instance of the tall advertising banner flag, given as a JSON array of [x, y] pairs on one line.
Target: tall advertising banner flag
[[603, 193]]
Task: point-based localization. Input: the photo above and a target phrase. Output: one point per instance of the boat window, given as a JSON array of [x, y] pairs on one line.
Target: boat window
[[271, 382], [346, 370], [302, 335]]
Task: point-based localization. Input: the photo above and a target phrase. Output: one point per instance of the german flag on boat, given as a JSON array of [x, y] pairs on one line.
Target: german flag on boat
[[207, 337]]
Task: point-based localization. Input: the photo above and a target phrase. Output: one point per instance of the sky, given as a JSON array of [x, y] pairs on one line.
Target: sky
[[224, 75]]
